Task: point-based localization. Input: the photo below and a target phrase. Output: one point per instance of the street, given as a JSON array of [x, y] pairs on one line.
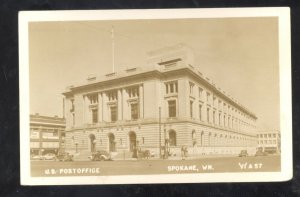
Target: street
[[143, 167]]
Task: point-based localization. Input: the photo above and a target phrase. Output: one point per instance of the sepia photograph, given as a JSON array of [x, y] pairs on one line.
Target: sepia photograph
[[155, 96]]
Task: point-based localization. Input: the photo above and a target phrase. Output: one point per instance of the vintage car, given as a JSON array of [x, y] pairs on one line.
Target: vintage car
[[243, 153], [260, 152], [64, 156], [100, 155], [48, 156]]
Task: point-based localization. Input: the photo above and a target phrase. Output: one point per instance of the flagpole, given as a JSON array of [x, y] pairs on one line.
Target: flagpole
[[113, 48]]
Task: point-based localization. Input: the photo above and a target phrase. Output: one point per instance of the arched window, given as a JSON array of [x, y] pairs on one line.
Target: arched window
[[202, 138], [209, 139], [194, 139], [172, 138]]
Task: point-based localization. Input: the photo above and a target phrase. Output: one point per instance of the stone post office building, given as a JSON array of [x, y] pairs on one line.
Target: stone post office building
[[167, 102]]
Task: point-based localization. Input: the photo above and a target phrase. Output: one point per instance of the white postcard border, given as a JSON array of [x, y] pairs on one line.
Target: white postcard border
[[282, 13]]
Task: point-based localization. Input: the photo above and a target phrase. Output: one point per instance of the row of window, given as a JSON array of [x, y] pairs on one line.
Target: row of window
[[231, 121], [269, 135], [44, 145], [214, 101], [267, 142], [134, 108], [133, 92]]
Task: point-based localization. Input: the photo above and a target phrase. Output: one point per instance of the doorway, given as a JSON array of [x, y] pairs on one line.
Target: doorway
[[132, 141], [92, 142]]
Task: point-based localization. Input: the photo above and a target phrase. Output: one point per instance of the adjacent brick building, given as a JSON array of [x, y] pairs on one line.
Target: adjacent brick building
[[47, 134]]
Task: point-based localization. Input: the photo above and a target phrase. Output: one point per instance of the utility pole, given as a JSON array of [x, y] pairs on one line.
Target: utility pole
[[113, 48], [159, 109]]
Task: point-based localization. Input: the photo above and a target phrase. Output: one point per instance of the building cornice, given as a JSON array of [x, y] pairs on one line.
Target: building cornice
[[155, 72]]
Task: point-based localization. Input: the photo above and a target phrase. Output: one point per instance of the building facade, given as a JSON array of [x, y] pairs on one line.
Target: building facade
[[269, 141], [47, 134], [167, 103]]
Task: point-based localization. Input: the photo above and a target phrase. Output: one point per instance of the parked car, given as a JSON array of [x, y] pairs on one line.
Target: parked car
[[64, 156], [260, 153], [36, 157], [48, 156], [100, 155], [243, 153]]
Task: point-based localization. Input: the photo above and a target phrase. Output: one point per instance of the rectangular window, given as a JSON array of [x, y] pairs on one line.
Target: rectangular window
[[134, 111], [95, 115], [274, 135], [93, 99], [214, 117], [171, 87], [224, 120], [34, 134], [200, 93], [172, 108], [167, 88], [133, 92], [113, 113], [220, 119], [191, 87], [34, 145], [200, 112], [207, 114], [72, 106]]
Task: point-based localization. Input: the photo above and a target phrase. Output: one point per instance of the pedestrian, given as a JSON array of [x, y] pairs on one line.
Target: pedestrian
[[182, 152], [185, 152]]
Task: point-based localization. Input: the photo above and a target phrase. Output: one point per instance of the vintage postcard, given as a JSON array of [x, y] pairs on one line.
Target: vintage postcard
[[155, 96]]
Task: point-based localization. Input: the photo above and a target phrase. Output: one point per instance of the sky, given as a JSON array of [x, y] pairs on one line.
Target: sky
[[239, 54]]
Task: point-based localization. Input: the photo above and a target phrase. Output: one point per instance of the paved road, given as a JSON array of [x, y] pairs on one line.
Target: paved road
[[143, 167]]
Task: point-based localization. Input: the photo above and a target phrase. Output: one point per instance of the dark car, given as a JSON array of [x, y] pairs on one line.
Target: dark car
[[100, 155], [243, 153], [260, 153], [64, 157]]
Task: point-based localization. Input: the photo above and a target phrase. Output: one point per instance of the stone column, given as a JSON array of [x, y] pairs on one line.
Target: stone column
[[100, 107], [125, 105], [119, 105], [141, 101], [105, 108]]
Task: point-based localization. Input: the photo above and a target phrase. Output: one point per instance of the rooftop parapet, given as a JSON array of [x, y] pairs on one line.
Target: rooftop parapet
[[179, 52]]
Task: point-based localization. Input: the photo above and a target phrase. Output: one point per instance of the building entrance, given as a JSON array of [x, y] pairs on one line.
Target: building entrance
[[92, 143], [132, 141]]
